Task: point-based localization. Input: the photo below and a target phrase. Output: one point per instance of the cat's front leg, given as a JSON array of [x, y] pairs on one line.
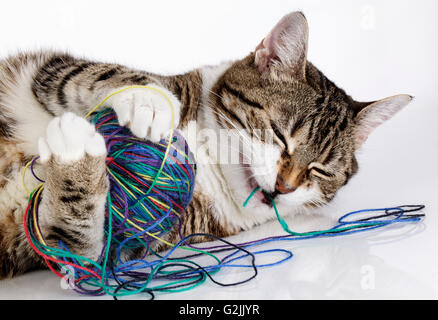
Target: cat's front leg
[[73, 200], [149, 113]]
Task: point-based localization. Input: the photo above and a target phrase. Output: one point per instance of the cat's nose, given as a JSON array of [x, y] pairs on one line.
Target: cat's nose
[[283, 187]]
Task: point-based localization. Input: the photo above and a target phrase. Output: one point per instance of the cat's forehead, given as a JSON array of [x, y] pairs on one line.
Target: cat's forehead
[[280, 98]]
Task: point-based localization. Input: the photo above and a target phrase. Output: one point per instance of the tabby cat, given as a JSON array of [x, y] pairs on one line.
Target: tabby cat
[[316, 129]]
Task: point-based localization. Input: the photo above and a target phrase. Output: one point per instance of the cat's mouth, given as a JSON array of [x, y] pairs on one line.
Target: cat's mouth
[[261, 195]]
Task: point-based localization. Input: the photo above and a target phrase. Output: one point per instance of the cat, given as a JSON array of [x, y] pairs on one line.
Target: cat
[[316, 129]]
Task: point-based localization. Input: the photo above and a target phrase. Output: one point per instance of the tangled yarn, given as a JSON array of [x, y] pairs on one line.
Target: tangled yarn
[[150, 184]]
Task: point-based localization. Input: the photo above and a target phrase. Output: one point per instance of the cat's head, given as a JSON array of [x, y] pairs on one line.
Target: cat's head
[[316, 127]]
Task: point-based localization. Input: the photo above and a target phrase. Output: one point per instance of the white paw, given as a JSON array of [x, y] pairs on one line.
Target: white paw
[[69, 137], [146, 112]]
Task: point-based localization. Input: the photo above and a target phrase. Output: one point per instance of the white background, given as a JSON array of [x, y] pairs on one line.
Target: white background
[[372, 49]]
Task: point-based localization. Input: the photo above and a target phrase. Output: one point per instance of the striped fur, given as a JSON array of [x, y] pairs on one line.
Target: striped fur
[[298, 128]]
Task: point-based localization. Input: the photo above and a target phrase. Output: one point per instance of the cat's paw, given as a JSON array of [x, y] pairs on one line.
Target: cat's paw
[[69, 138], [146, 112]]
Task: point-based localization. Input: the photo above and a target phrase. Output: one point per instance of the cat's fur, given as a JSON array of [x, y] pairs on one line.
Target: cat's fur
[[316, 129]]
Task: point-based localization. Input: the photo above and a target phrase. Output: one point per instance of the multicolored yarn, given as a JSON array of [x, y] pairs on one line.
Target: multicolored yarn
[[151, 185], [148, 194]]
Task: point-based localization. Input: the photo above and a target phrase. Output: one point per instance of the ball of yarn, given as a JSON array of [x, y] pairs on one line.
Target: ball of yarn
[[151, 184]]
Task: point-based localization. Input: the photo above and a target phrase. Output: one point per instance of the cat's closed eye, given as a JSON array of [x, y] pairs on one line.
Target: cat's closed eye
[[278, 134], [317, 170]]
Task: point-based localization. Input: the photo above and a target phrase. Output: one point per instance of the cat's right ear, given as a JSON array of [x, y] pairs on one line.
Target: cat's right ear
[[283, 52]]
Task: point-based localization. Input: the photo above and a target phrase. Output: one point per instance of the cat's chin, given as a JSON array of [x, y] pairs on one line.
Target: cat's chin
[[301, 200]]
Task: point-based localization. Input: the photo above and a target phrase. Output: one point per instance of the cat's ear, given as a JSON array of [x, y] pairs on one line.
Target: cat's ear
[[372, 114], [283, 52]]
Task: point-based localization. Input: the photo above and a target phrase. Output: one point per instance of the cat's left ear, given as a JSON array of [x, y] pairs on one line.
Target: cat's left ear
[[370, 115], [283, 53]]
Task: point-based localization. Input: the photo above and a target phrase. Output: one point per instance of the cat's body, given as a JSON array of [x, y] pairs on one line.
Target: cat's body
[[315, 130]]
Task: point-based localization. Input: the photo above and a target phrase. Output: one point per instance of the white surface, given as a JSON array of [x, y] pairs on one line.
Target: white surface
[[372, 49]]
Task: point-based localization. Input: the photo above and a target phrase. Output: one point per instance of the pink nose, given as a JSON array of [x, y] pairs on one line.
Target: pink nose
[[282, 187]]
